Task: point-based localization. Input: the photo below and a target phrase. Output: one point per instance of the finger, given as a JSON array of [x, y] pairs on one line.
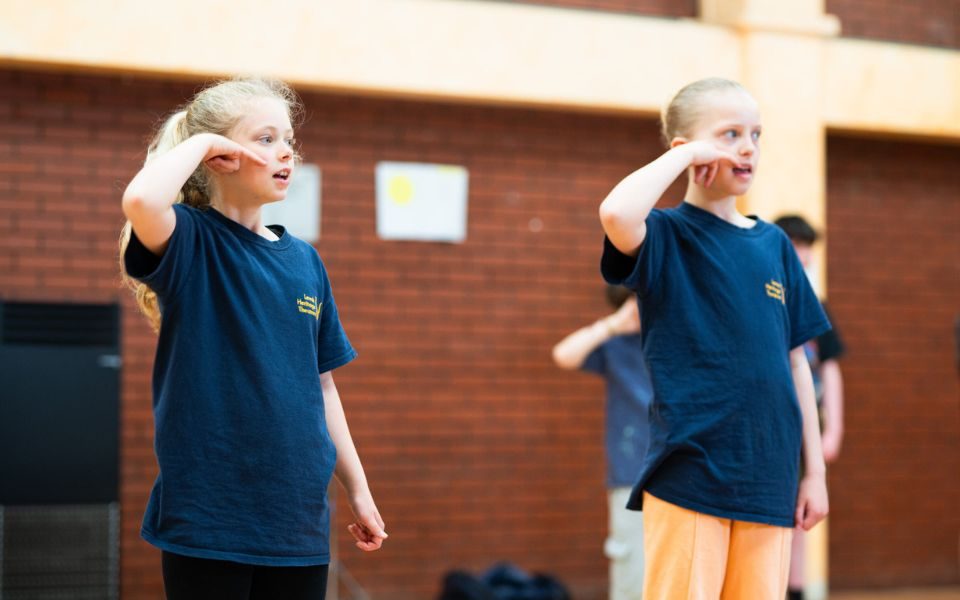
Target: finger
[[359, 533], [373, 525], [370, 546], [731, 158], [364, 533], [812, 517], [364, 540], [798, 516], [356, 533], [698, 173], [221, 164], [714, 169], [249, 154]]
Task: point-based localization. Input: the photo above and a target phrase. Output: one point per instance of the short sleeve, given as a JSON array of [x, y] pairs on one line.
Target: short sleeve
[[596, 361], [333, 347], [640, 273], [165, 274], [807, 319], [830, 344]]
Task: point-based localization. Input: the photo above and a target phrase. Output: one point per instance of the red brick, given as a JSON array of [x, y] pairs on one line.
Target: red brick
[[926, 22], [896, 317]]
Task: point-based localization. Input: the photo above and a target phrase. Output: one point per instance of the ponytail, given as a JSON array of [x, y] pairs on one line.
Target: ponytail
[[145, 297], [173, 131]]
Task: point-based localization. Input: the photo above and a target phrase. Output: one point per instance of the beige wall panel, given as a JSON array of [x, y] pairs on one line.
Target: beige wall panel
[[446, 49], [892, 89], [783, 74]]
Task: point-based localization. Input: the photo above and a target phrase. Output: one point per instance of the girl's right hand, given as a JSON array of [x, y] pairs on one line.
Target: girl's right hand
[[705, 158], [223, 154]]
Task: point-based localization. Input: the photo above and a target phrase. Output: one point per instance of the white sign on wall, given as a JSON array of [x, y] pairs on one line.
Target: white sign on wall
[[424, 202], [299, 212]]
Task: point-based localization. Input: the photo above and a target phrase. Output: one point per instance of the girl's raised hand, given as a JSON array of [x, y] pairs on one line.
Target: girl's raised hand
[[705, 158], [626, 319], [223, 154]]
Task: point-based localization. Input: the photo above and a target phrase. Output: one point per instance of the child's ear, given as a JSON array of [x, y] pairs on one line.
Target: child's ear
[[678, 141]]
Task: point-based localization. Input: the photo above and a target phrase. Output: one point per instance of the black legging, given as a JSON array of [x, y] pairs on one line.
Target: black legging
[[187, 578]]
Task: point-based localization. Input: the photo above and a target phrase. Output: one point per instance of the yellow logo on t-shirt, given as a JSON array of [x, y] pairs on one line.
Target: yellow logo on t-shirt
[[309, 305], [775, 290]]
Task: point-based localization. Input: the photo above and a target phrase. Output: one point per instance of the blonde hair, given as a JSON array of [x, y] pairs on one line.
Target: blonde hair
[[679, 116], [215, 109]]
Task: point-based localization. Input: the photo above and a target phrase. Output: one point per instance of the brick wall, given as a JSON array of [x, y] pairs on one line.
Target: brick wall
[[659, 8], [927, 22], [894, 280]]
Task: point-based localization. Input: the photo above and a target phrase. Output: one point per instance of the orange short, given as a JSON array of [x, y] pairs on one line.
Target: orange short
[[693, 556]]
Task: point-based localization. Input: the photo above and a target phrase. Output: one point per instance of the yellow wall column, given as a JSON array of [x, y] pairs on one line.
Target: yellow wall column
[[782, 48]]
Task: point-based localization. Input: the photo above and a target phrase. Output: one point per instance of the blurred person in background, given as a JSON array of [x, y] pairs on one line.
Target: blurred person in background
[[824, 353], [610, 347]]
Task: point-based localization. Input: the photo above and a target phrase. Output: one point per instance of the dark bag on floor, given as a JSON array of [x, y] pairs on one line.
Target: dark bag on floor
[[509, 582], [460, 585], [503, 581]]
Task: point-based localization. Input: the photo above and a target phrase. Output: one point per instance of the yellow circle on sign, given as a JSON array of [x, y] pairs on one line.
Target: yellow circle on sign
[[400, 189]]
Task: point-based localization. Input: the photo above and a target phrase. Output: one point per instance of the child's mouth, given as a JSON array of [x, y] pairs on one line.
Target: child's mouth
[[282, 174]]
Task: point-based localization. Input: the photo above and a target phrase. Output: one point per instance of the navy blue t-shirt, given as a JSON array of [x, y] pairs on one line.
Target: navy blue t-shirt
[[240, 433], [721, 307], [620, 361]]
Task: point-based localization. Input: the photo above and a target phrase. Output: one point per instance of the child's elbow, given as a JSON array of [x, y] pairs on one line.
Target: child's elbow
[[563, 361], [624, 234], [610, 218], [132, 203]]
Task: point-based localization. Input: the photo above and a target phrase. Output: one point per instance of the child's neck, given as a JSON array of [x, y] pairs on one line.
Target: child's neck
[[250, 217], [723, 207]]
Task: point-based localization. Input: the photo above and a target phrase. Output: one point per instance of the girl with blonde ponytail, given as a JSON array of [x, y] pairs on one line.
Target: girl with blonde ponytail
[[249, 424]]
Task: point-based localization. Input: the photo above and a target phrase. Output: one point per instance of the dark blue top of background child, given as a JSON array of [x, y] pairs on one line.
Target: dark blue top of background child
[[620, 361]]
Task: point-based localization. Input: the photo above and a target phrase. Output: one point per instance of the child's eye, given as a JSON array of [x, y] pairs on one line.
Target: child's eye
[[266, 139], [756, 136], [291, 142], [731, 134]]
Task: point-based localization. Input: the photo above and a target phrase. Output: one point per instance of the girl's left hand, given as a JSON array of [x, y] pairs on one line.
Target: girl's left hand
[[812, 503], [368, 529]]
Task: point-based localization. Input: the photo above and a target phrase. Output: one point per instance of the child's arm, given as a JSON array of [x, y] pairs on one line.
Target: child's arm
[[812, 503], [624, 211], [832, 409], [368, 529], [149, 197], [572, 350]]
